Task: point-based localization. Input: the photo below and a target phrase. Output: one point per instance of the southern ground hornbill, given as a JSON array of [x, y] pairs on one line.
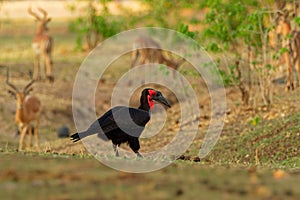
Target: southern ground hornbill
[[123, 124]]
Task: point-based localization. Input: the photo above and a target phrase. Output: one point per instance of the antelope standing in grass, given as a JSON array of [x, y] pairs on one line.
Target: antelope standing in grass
[[42, 46], [28, 110], [147, 50]]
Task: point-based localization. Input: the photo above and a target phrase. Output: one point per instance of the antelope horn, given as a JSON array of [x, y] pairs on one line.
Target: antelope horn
[[8, 83], [27, 87], [43, 11], [28, 91], [33, 13]]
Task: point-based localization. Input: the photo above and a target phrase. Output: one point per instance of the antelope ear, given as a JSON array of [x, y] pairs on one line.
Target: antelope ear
[[12, 93]]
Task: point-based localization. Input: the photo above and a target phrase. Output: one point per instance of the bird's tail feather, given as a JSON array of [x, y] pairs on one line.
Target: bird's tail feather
[[75, 137], [78, 136], [93, 129]]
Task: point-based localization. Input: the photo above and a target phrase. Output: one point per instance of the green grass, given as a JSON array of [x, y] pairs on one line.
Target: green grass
[[276, 143]]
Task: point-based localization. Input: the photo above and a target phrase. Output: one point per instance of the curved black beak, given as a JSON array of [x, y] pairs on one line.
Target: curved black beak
[[161, 99]]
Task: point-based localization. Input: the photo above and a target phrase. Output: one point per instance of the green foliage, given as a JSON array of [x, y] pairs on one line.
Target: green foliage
[[213, 47], [226, 29], [164, 13], [189, 72], [232, 22], [283, 50], [255, 121], [164, 69], [233, 25], [231, 77], [224, 19], [159, 10], [95, 26], [184, 29], [297, 20]]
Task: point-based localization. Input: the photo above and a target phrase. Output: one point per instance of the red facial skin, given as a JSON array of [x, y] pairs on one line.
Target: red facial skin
[[150, 101]]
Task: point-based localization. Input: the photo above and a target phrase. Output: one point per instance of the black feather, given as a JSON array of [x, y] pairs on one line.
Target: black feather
[[120, 125]]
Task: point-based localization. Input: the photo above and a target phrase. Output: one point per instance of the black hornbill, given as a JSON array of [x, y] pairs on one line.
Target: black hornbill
[[124, 124]]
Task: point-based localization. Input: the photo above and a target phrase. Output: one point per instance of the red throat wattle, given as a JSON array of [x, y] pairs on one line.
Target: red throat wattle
[[149, 97]]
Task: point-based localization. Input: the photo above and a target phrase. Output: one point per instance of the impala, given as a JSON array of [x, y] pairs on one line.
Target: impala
[[42, 46], [28, 110], [146, 50]]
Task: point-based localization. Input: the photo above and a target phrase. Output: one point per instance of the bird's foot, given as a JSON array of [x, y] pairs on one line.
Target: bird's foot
[[139, 155], [115, 147]]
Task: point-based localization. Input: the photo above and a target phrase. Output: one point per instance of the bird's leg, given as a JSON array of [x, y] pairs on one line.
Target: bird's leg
[[115, 147], [139, 155]]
